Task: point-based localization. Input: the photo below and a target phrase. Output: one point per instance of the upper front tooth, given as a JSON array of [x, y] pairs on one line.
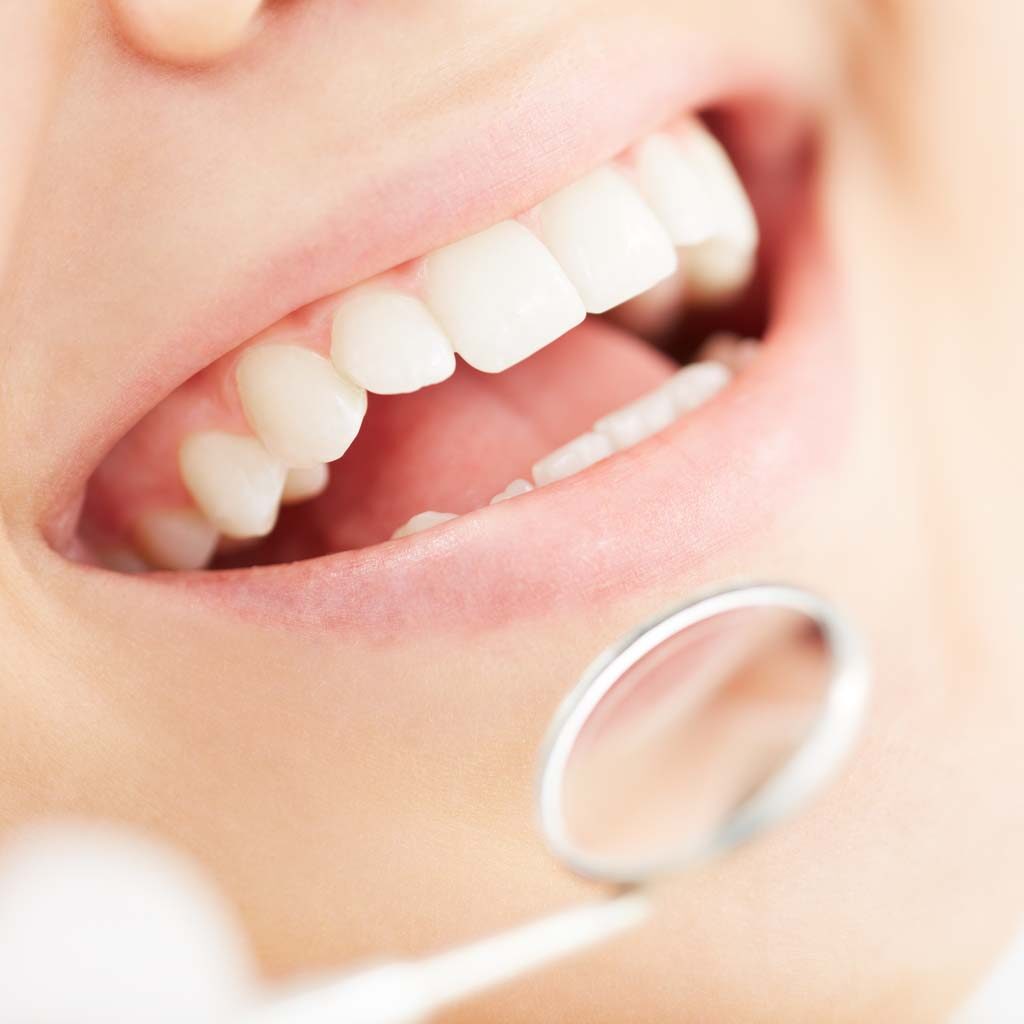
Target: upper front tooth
[[607, 239], [500, 295], [638, 420], [389, 343], [577, 455], [693, 385], [234, 480], [304, 483], [302, 410], [675, 183], [734, 216]]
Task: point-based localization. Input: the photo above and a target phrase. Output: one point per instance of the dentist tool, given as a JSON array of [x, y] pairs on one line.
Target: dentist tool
[[699, 731]]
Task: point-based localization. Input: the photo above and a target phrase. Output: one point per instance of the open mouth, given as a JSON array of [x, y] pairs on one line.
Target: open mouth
[[504, 362]]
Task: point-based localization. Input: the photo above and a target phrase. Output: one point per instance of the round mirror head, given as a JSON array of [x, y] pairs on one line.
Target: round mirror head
[[699, 731]]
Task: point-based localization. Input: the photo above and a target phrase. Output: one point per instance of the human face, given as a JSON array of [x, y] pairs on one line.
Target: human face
[[347, 742]]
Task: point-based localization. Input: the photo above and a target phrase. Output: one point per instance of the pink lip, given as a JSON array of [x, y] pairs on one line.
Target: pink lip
[[641, 518]]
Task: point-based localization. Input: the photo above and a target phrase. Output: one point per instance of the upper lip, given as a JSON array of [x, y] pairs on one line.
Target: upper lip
[[706, 480]]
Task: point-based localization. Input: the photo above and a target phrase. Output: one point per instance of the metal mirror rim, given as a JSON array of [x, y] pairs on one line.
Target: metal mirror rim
[[804, 772]]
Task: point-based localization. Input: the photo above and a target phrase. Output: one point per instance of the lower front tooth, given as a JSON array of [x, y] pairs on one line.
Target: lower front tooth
[[571, 458], [693, 385], [176, 538], [234, 480], [637, 421], [294, 399], [423, 521], [513, 490]]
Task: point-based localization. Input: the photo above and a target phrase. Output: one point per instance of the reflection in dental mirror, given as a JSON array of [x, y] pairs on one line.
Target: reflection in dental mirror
[[700, 730]]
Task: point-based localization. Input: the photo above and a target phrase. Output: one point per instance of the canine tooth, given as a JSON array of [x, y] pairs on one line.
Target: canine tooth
[[175, 538], [571, 458], [500, 296], [234, 480], [513, 490], [734, 215], [695, 384], [389, 343], [717, 269], [675, 182], [423, 521], [304, 483], [607, 239], [302, 410], [638, 420]]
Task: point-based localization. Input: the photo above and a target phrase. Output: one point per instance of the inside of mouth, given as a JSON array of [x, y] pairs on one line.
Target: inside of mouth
[[452, 448]]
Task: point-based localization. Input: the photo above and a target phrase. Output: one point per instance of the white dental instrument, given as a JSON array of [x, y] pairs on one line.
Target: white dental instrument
[[642, 776]]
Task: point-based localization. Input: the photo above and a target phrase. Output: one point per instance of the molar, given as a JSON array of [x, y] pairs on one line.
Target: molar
[[500, 296], [607, 239], [294, 400], [389, 343], [234, 480], [577, 455]]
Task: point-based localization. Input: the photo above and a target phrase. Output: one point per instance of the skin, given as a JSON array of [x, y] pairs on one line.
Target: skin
[[354, 798]]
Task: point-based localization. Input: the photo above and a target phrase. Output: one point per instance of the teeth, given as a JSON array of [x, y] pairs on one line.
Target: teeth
[[303, 412], [606, 238], [730, 350], [178, 538], [693, 385], [423, 521], [234, 480], [571, 458], [637, 421], [513, 490], [389, 343], [674, 182], [717, 269], [303, 484], [500, 295], [124, 559]]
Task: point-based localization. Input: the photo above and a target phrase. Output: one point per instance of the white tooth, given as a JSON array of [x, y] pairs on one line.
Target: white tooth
[[716, 270], [637, 421], [389, 343], [513, 490], [607, 239], [571, 458], [303, 484], [730, 350], [734, 215], [302, 410], [693, 385], [124, 559], [675, 183], [175, 538], [423, 521], [234, 480], [500, 295]]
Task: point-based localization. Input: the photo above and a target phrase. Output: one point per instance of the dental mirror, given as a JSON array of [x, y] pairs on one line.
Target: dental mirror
[[699, 731]]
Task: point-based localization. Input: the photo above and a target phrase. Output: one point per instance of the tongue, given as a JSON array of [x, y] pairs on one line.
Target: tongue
[[452, 447]]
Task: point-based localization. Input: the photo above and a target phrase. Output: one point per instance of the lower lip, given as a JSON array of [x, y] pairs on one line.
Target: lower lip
[[639, 520]]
